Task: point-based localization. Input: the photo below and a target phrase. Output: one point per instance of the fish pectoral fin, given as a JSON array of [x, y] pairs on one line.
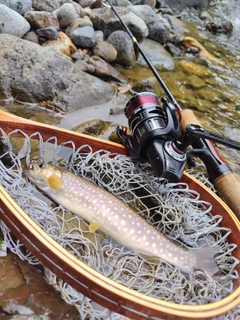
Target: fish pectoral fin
[[54, 182], [94, 226], [150, 259]]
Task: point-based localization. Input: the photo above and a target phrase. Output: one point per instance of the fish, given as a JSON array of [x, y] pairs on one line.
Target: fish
[[105, 212]]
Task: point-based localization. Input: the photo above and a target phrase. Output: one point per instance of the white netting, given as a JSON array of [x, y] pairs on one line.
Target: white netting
[[171, 207]]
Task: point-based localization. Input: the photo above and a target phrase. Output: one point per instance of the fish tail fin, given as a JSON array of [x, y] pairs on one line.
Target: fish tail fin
[[205, 260]]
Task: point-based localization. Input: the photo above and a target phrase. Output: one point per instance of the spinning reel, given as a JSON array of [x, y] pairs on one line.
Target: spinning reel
[[156, 138]]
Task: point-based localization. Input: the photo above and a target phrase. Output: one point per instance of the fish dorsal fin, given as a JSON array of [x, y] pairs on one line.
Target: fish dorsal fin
[[54, 182], [94, 226]]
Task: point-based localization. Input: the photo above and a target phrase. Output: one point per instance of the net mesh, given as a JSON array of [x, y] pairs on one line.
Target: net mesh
[[173, 208]]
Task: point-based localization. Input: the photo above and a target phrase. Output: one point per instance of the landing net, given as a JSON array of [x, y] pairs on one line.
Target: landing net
[[173, 208]]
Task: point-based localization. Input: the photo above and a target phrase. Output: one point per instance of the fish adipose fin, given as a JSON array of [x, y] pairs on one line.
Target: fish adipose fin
[[94, 226], [54, 182]]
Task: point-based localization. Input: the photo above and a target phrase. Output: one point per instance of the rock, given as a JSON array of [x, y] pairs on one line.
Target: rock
[[146, 85], [165, 10], [150, 3], [104, 70], [198, 5], [205, 16], [192, 68], [195, 82], [99, 36], [47, 5], [20, 6], [158, 27], [44, 34], [85, 12], [224, 27], [78, 55], [42, 19], [77, 7], [66, 14], [78, 23], [125, 48], [145, 12], [178, 27], [31, 36], [107, 21], [105, 50], [158, 30], [85, 3], [63, 44], [121, 3], [12, 22], [83, 37], [36, 74], [84, 66], [158, 56], [173, 50], [93, 127]]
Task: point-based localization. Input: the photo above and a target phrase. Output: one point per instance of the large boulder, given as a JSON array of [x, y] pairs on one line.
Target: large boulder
[[32, 73]]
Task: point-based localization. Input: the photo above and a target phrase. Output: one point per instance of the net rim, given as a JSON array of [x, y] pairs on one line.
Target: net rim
[[149, 305], [153, 305]]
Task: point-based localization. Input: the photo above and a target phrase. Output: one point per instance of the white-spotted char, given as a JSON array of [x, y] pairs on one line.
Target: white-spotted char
[[104, 211]]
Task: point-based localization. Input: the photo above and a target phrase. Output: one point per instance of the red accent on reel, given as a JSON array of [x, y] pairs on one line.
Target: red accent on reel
[[138, 101]]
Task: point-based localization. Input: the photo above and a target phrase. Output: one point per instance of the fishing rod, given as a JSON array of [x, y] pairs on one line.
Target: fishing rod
[[162, 135]]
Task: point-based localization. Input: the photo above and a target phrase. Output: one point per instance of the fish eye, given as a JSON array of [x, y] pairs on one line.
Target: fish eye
[[42, 164]]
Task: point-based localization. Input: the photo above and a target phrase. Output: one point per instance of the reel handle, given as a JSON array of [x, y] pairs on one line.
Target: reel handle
[[227, 184]]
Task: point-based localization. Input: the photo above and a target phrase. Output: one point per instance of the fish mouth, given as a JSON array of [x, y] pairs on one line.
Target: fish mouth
[[32, 171]]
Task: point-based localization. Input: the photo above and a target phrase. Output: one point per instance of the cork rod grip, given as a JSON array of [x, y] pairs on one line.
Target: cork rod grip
[[228, 185]]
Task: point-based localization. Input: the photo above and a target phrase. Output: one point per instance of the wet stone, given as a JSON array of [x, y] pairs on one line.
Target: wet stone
[[92, 127]]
